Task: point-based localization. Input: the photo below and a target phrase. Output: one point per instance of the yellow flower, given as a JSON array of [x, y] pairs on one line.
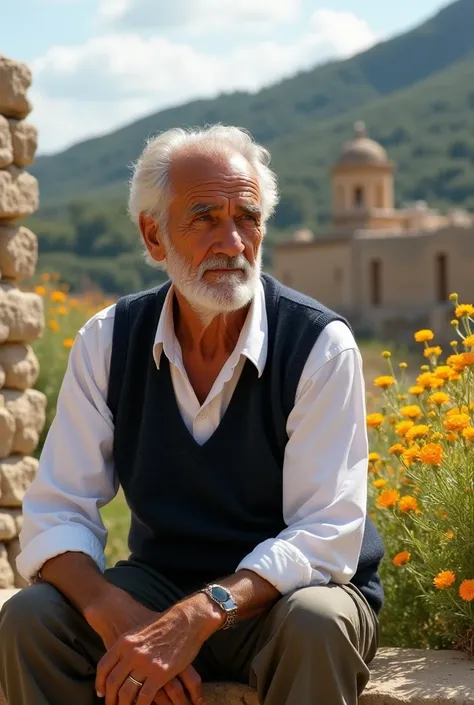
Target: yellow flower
[[375, 420], [68, 343], [431, 454], [456, 362], [451, 436], [402, 428], [453, 296], [456, 422], [45, 277], [388, 498], [464, 310], [53, 325], [411, 455], [384, 382], [62, 310], [468, 433], [425, 368], [443, 372], [423, 336], [428, 379], [449, 534], [444, 579], [454, 343], [419, 431], [468, 358], [411, 412], [439, 398], [437, 436], [378, 484], [397, 449], [466, 590], [40, 290], [386, 354], [468, 342], [373, 457], [435, 351], [58, 296], [408, 504], [416, 390], [403, 365], [401, 558]]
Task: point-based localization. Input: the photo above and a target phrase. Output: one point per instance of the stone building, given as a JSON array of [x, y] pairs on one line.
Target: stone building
[[389, 270]]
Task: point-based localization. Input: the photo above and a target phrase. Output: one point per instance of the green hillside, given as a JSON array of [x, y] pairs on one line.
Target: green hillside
[[415, 93]]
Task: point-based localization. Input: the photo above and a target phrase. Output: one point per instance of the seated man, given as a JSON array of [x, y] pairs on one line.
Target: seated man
[[231, 411]]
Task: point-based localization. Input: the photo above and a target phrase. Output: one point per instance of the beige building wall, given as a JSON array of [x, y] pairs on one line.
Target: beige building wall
[[376, 185]]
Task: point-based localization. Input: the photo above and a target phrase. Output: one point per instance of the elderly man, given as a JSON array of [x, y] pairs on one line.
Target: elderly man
[[230, 409]]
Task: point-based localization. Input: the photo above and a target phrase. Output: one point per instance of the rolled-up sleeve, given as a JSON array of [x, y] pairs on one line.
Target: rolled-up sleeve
[[75, 476], [324, 473]]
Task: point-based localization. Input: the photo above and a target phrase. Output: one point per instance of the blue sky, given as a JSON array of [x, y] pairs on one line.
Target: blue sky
[[98, 64]]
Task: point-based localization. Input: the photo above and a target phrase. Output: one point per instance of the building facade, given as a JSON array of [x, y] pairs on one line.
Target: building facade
[[389, 270]]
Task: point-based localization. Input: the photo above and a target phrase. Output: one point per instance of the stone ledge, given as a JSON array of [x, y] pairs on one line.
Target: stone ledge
[[399, 677]]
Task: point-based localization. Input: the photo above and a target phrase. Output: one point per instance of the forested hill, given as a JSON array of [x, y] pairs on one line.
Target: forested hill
[[415, 92]]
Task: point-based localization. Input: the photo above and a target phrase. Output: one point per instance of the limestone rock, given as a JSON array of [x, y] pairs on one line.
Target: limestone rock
[[7, 429], [15, 79], [28, 409], [18, 252], [7, 579], [19, 364], [21, 314], [229, 694], [6, 148], [13, 550], [19, 193], [24, 140], [16, 474], [2, 377], [11, 522]]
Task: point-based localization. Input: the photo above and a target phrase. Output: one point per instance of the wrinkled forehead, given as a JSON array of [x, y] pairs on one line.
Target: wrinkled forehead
[[225, 173]]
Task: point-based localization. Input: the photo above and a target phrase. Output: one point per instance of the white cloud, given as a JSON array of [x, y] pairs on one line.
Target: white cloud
[[110, 80], [196, 15]]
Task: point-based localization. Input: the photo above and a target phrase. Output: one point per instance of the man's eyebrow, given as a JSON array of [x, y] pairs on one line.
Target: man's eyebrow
[[203, 208], [251, 209]]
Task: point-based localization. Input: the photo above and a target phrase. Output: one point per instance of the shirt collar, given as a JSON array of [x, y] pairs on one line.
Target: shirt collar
[[252, 342]]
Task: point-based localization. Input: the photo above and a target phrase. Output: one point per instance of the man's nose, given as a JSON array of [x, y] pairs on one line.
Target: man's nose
[[228, 241]]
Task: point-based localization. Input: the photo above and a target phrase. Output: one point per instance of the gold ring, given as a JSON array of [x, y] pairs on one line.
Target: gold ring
[[134, 680]]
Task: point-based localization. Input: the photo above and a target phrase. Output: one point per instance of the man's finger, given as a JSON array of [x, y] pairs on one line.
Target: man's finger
[[193, 684], [175, 691], [104, 667]]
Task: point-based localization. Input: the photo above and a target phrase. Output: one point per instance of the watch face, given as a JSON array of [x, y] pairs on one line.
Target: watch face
[[220, 594]]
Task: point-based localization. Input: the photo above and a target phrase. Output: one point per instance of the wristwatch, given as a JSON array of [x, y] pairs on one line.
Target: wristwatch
[[224, 599]]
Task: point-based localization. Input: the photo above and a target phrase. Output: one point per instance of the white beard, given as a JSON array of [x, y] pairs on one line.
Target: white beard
[[230, 292]]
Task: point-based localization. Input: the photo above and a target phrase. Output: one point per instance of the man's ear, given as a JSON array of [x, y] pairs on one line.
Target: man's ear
[[151, 234]]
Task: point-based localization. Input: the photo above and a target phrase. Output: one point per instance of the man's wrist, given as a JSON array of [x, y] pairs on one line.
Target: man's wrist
[[207, 614]]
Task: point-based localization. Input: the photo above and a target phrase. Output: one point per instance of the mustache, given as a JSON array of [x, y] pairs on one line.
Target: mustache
[[225, 262]]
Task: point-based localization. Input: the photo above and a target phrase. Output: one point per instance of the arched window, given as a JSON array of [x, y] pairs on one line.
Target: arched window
[[358, 196], [375, 282], [442, 277]]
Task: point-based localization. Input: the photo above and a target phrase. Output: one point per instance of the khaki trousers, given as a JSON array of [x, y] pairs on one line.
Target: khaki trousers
[[311, 648]]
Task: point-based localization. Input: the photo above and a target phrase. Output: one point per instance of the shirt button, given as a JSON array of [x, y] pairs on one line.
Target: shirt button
[[203, 414]]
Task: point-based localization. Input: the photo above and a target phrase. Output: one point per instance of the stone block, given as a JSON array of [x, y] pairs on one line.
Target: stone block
[[18, 252], [19, 364], [28, 409], [16, 474], [6, 147], [19, 193], [15, 79], [21, 315], [24, 140], [7, 429], [13, 550], [11, 522], [7, 578]]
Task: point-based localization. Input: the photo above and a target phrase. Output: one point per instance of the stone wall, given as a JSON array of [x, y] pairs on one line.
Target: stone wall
[[22, 409]]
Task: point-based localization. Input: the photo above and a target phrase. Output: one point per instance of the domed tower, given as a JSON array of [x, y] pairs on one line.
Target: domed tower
[[362, 183]]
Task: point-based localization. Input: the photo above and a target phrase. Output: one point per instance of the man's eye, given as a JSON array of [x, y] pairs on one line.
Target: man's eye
[[207, 216], [249, 216]]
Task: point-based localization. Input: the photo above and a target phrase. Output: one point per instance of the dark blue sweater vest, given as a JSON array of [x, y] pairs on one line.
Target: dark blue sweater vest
[[198, 510]]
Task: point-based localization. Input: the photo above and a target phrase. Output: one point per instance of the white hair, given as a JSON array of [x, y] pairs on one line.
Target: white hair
[[150, 190]]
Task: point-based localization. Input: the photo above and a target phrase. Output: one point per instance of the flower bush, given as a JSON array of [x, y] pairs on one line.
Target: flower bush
[[422, 491]]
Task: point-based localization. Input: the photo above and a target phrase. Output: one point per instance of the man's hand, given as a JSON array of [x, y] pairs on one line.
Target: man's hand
[[155, 654]]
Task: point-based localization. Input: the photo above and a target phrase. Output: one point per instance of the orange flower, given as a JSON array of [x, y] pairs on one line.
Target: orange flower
[[416, 390], [380, 483], [468, 433], [373, 457], [408, 503], [444, 579], [451, 436], [439, 398], [401, 558], [466, 590], [388, 498], [58, 297], [40, 290], [456, 422], [411, 455], [456, 362], [464, 310], [468, 342], [375, 420], [431, 454], [45, 277], [449, 534], [402, 427], [384, 382], [62, 310], [397, 449], [435, 351], [443, 372], [425, 335], [418, 431], [468, 358], [411, 412], [68, 343], [53, 325]]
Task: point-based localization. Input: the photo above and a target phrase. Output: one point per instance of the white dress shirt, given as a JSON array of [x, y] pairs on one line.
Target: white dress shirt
[[325, 462]]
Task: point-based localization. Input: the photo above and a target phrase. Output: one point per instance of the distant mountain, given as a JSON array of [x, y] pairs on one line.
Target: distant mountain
[[415, 92]]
